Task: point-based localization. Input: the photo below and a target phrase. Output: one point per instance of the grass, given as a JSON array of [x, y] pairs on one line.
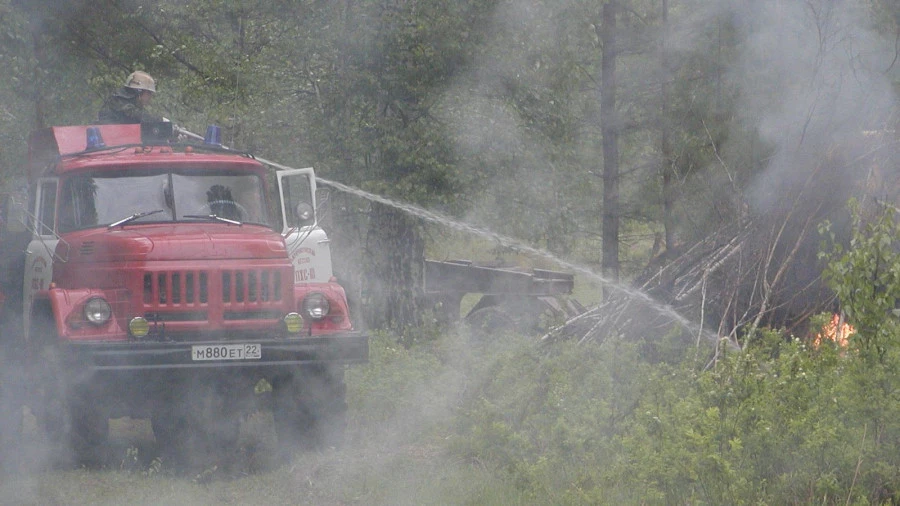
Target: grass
[[331, 478], [398, 452]]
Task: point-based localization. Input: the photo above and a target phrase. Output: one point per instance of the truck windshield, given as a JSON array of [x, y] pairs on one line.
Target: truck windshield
[[99, 199]]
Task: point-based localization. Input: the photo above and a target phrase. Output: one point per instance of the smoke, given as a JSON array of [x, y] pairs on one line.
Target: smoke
[[804, 76], [811, 77], [808, 75], [812, 83], [495, 110]]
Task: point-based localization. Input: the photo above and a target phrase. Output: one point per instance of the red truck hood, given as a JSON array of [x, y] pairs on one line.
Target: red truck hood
[[207, 241]]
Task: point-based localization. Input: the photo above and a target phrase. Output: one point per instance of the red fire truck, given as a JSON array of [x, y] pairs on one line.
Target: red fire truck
[[169, 280]]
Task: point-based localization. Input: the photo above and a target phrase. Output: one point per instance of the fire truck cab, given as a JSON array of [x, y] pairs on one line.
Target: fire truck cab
[[166, 280]]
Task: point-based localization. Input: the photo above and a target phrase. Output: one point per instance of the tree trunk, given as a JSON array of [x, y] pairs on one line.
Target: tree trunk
[[609, 129], [667, 162], [39, 94], [395, 268]]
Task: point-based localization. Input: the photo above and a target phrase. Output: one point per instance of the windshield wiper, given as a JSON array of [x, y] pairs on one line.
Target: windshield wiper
[[212, 217], [133, 217]]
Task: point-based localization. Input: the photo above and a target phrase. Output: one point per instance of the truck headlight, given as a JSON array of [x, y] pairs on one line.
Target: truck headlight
[[315, 306], [97, 311]]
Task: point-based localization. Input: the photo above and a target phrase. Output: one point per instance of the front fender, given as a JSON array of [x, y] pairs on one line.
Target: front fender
[[68, 313], [338, 318]]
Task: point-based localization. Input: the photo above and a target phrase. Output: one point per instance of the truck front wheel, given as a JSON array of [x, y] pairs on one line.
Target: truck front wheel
[[88, 427], [68, 413], [11, 400]]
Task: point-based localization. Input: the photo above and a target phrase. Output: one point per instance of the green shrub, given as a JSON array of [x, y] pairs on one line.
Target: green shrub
[[781, 422]]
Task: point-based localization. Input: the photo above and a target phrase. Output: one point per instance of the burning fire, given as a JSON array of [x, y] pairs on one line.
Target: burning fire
[[836, 330]]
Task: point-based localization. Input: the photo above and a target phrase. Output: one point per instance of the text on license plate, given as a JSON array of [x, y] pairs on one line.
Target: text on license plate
[[226, 351]]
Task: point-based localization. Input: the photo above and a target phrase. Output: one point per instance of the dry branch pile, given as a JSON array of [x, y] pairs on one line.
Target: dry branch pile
[[763, 270]]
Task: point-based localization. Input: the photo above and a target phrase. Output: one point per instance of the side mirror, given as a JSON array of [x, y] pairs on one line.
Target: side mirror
[[303, 213]]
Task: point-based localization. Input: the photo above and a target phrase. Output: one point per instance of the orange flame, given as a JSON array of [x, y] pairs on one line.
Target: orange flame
[[836, 330]]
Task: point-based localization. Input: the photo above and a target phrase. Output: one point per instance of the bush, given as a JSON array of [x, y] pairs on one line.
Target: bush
[[782, 422]]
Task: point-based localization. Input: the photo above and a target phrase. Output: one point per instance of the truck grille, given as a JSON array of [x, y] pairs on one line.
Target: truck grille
[[186, 288], [251, 286], [179, 287]]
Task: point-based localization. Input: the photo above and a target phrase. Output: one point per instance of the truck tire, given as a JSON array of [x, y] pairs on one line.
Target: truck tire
[[11, 402], [46, 396], [88, 427], [67, 413], [310, 409]]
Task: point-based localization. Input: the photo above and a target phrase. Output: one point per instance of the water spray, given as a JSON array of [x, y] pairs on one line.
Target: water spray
[[502, 240]]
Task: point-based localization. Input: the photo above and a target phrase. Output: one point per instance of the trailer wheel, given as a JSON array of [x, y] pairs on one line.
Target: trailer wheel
[[487, 322], [310, 409]]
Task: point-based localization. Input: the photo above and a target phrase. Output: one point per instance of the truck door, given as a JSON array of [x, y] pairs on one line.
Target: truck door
[[307, 244], [39, 255]]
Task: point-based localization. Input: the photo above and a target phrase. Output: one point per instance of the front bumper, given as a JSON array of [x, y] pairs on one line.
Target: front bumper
[[343, 348]]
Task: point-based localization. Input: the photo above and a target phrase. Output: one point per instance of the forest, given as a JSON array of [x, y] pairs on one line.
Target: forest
[[731, 162]]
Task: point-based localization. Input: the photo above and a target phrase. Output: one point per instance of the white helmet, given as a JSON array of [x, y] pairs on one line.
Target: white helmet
[[141, 81]]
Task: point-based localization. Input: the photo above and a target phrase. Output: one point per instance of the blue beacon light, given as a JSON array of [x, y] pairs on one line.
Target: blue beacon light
[[213, 135], [94, 139]]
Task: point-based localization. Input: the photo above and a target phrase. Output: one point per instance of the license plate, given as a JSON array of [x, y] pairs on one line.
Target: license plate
[[226, 352]]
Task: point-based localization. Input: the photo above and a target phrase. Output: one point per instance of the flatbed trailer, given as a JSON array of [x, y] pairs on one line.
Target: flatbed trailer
[[510, 297]]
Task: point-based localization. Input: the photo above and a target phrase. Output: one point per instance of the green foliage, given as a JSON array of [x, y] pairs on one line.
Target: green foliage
[[780, 422], [549, 419], [866, 278], [404, 388]]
